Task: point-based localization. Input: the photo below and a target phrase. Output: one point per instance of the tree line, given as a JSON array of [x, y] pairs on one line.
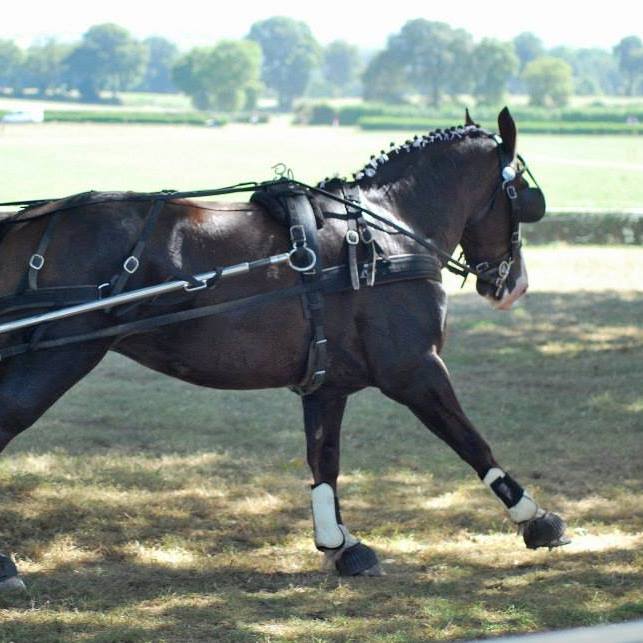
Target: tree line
[[428, 59]]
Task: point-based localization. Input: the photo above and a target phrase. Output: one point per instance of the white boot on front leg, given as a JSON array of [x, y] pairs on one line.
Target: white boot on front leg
[[342, 550]]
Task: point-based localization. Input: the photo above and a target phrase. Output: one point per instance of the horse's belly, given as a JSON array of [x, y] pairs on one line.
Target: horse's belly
[[238, 351]]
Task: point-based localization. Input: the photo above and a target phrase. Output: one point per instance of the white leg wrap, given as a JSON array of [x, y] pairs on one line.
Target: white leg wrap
[[525, 509], [328, 532], [492, 475]]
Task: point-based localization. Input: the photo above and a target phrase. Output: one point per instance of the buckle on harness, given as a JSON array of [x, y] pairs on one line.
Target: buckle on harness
[[102, 287], [352, 238], [131, 264], [511, 192], [202, 285], [298, 236], [36, 262]]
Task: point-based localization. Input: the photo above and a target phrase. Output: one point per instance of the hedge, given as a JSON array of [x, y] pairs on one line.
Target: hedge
[[586, 228], [325, 113], [117, 116], [421, 124]]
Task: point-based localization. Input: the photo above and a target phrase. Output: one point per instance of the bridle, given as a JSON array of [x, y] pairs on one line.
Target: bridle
[[526, 205]]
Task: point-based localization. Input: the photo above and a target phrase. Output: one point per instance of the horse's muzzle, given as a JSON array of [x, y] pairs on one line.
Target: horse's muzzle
[[514, 286]]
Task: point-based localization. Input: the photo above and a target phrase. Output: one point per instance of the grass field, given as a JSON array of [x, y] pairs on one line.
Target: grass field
[[41, 161], [143, 509]]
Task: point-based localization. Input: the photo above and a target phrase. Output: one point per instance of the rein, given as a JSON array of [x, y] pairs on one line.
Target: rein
[[451, 264]]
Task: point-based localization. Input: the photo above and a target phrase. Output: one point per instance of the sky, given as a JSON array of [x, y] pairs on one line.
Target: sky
[[367, 24]]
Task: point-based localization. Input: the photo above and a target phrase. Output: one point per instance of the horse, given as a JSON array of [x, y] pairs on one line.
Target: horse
[[462, 186]]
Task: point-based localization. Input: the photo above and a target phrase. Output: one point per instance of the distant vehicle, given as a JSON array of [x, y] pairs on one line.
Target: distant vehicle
[[24, 116]]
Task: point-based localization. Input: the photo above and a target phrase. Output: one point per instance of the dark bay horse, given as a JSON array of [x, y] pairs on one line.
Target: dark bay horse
[[447, 186]]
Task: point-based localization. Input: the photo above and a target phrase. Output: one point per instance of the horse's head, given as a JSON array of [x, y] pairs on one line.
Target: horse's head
[[491, 239]]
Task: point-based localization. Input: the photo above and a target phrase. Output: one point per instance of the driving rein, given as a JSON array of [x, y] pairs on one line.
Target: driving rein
[[290, 202]]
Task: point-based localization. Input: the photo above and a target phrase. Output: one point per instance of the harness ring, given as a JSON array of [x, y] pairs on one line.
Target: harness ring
[[311, 254]]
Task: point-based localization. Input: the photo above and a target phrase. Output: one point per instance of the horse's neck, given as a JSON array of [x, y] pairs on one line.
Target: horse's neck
[[434, 192], [412, 205]]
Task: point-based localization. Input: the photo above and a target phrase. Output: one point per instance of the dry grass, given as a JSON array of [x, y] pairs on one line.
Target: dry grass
[[143, 509]]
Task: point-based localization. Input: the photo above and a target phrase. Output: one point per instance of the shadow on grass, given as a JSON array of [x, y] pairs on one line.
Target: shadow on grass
[[237, 602]]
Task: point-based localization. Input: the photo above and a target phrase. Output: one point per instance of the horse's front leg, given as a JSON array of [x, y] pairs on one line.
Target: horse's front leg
[[323, 413], [425, 387]]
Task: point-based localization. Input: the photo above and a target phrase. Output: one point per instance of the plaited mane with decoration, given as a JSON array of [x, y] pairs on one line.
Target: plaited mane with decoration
[[377, 161]]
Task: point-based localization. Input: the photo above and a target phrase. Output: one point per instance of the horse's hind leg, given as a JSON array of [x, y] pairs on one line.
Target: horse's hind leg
[[426, 389], [323, 413], [29, 385]]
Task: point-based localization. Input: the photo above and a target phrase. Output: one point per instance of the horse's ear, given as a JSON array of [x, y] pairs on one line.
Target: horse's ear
[[507, 129], [467, 117]]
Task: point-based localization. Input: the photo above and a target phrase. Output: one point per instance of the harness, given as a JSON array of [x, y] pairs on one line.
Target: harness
[[290, 202]]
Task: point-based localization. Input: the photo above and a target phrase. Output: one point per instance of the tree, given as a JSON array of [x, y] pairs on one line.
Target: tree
[[595, 70], [435, 58], [45, 66], [225, 77], [548, 79], [162, 54], [290, 53], [107, 58], [384, 79], [528, 47], [340, 64], [629, 53], [494, 63], [11, 61]]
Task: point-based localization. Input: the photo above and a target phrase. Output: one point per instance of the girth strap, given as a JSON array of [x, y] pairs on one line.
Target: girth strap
[[302, 220]]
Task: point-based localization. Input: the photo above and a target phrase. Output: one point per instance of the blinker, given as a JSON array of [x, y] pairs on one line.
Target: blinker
[[530, 205]]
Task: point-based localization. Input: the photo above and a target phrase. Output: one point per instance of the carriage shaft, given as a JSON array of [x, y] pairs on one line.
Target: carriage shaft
[[144, 293]]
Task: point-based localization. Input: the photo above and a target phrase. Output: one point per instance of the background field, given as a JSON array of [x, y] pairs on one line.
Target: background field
[[58, 159], [143, 509]]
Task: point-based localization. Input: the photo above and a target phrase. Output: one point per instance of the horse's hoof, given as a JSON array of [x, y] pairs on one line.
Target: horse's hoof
[[9, 579], [547, 530], [358, 560]]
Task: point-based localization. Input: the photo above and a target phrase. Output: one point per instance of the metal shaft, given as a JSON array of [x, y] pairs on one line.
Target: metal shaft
[[142, 293]]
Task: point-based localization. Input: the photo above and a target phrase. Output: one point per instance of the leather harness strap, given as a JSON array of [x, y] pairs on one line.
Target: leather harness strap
[[351, 193], [332, 280], [302, 220], [133, 261], [37, 259]]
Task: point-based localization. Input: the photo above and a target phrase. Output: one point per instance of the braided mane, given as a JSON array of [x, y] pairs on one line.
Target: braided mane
[[410, 146]]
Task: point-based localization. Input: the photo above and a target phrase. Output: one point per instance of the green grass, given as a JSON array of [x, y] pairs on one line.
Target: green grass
[[56, 159], [143, 509]]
